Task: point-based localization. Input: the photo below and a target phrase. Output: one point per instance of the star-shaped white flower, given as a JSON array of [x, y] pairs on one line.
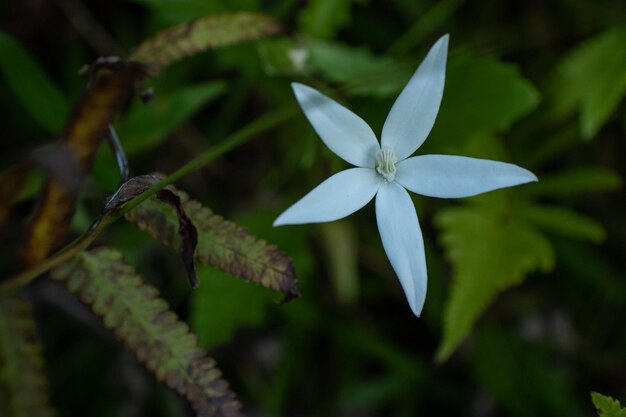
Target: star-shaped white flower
[[386, 171]]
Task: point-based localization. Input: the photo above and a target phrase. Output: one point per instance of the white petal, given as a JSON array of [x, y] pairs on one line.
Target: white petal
[[338, 196], [402, 239], [345, 133], [449, 176], [413, 114]]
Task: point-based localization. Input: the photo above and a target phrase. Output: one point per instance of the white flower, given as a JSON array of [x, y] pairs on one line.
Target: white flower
[[386, 171]]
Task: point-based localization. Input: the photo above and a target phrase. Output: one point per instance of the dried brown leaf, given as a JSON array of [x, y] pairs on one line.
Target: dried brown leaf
[[11, 182], [82, 137], [23, 384], [147, 326], [221, 243], [177, 42], [186, 230]]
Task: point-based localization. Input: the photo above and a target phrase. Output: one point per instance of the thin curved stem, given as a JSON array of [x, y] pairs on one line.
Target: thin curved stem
[[120, 155]]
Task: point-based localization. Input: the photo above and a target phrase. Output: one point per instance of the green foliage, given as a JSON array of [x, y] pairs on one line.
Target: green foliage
[[23, 383], [32, 87], [357, 69], [575, 181], [340, 243], [323, 18], [221, 243], [216, 307], [190, 38], [607, 406], [520, 375], [564, 222], [491, 251], [147, 125], [482, 94], [581, 88], [144, 322]]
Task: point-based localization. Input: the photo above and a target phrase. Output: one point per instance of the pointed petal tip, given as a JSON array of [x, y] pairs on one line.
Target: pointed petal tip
[[530, 177], [444, 40], [417, 310]]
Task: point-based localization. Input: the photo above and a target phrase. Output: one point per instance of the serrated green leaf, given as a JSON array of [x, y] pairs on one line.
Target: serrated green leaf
[[481, 95], [144, 322], [575, 181], [32, 87], [216, 311], [147, 125], [323, 18], [490, 252], [563, 221], [190, 38], [592, 79], [221, 243], [23, 384], [607, 406]]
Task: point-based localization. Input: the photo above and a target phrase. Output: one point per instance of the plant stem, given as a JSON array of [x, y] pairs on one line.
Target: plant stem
[[241, 136]]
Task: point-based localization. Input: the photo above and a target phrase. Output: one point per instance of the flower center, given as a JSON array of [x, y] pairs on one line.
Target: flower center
[[386, 164]]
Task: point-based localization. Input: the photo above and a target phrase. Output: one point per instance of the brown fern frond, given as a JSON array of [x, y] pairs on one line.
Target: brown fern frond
[[144, 322], [23, 384]]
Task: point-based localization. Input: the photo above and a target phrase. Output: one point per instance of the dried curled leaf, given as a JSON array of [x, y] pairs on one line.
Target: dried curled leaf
[[221, 243], [23, 385], [82, 137], [144, 322], [186, 230], [190, 38]]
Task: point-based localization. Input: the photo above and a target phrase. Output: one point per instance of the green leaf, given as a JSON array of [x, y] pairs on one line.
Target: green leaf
[[323, 18], [481, 95], [32, 87], [361, 72], [575, 181], [490, 252], [341, 249], [522, 378], [144, 322], [147, 125], [592, 79], [564, 222], [221, 243], [190, 38], [607, 406], [216, 311], [23, 384]]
